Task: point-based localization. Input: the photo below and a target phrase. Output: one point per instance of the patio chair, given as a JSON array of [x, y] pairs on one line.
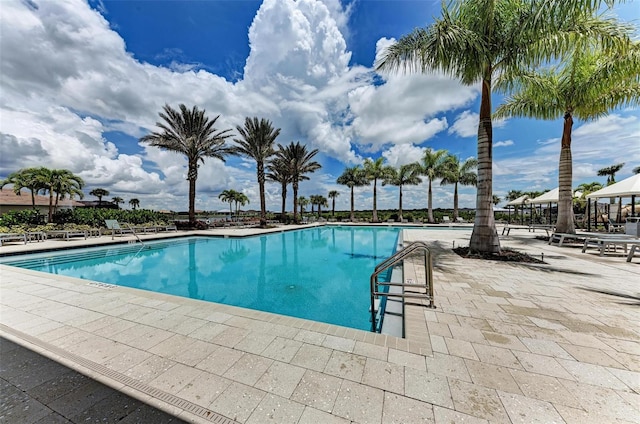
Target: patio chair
[[614, 227], [446, 220], [115, 227], [460, 220]]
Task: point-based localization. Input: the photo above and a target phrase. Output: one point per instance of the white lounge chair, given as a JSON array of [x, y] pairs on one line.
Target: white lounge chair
[[446, 220]]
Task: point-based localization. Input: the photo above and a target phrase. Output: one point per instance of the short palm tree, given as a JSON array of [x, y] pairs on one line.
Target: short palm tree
[[374, 171], [353, 177], [117, 200], [134, 203], [610, 172], [457, 173], [240, 199], [191, 133], [404, 175], [279, 173], [300, 162], [321, 201], [496, 200], [303, 202], [432, 161], [476, 40], [228, 196], [585, 189], [258, 139], [60, 183], [586, 86], [99, 193], [332, 195], [29, 178]]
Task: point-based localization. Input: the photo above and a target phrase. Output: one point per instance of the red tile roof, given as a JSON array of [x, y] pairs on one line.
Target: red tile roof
[[9, 198]]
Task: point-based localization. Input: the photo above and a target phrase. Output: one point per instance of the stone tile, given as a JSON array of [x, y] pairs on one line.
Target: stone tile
[[248, 369], [311, 337], [142, 336], [625, 346], [542, 387], [630, 378], [507, 328], [439, 329], [127, 359], [427, 387], [220, 360], [541, 364], [582, 339], [149, 369], [492, 376], [496, 356], [438, 344], [460, 348], [592, 374], [204, 389], [346, 365], [545, 347], [407, 359], [112, 408], [208, 331], [371, 351], [504, 340], [478, 401], [467, 334], [580, 416], [312, 357], [317, 390], [276, 409], [449, 416], [314, 416], [282, 349], [26, 412], [255, 343], [360, 403], [384, 375], [339, 343], [230, 336], [175, 378], [591, 355], [525, 410], [601, 401], [238, 402], [449, 366], [280, 379], [402, 410]]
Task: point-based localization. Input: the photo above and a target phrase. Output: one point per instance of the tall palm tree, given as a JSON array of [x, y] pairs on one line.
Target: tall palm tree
[[332, 195], [404, 175], [610, 172], [191, 133], [300, 162], [228, 196], [457, 173], [99, 193], [475, 40], [240, 199], [321, 201], [134, 203], [258, 138], [117, 200], [29, 178], [432, 161], [313, 200], [60, 183], [353, 177], [279, 173], [587, 85], [374, 171]]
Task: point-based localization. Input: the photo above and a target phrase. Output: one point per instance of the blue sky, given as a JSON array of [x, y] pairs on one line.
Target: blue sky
[[83, 81]]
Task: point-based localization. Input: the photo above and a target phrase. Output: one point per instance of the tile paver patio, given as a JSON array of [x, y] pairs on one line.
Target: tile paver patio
[[507, 343]]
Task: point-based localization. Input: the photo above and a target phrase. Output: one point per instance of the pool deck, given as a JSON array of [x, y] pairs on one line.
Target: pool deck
[[508, 343]]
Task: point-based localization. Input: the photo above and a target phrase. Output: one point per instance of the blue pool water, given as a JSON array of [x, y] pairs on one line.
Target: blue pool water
[[320, 273]]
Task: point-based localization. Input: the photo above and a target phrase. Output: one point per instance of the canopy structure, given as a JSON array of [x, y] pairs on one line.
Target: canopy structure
[[548, 197], [625, 188], [519, 201], [497, 209]]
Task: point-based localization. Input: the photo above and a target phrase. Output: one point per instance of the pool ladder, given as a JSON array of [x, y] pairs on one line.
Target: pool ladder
[[392, 261]]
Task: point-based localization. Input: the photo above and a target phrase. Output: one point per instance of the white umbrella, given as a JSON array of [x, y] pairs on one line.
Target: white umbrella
[[548, 197], [625, 188]]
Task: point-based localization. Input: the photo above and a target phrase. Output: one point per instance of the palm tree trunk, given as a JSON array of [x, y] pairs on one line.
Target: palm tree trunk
[[333, 207], [484, 237], [263, 203], [50, 205], [295, 201], [565, 175], [400, 205], [284, 202], [455, 202], [192, 176], [33, 199], [430, 205], [374, 218], [352, 201]]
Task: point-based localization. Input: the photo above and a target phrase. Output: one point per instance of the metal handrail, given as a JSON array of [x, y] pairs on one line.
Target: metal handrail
[[400, 255]]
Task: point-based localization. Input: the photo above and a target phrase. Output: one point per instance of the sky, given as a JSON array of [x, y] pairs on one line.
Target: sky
[[82, 81]]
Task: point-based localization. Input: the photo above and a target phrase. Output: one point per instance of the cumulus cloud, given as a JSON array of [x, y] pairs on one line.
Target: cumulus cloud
[[403, 154], [503, 143], [466, 124]]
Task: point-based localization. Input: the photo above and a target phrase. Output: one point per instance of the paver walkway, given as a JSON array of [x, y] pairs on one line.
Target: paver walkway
[[508, 343]]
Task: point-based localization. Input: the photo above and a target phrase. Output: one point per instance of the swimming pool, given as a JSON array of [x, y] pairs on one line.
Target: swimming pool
[[319, 273]]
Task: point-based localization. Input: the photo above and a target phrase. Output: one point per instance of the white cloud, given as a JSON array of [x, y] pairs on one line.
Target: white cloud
[[503, 143], [403, 154], [466, 124]]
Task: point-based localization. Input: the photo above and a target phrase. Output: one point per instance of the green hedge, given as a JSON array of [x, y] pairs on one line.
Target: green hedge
[[92, 217]]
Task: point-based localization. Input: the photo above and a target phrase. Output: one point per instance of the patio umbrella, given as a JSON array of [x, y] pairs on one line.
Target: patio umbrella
[[629, 187]]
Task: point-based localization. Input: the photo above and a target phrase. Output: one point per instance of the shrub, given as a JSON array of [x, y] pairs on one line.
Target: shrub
[[27, 216]]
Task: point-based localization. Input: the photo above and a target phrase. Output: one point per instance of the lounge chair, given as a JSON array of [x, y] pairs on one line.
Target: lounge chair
[[610, 243], [460, 220], [614, 227], [11, 237], [116, 228], [446, 220]]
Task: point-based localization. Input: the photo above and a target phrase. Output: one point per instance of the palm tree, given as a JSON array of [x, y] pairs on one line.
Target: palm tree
[[300, 162], [332, 195], [374, 171], [279, 173], [457, 173], [228, 196], [313, 200], [117, 200], [258, 138], [29, 178], [303, 202], [61, 182], [496, 200], [191, 133], [432, 168], [320, 201], [353, 177], [636, 170], [99, 193], [586, 86], [475, 40], [240, 199], [585, 189], [405, 175], [134, 203], [610, 172]]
